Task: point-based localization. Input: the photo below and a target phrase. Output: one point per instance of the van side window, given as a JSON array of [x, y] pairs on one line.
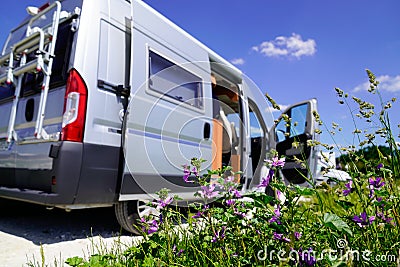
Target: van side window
[[174, 81]]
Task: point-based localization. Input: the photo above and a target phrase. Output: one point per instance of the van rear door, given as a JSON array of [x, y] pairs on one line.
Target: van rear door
[[296, 126], [30, 121]]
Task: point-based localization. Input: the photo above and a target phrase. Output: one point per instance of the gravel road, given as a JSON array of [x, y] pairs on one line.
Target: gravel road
[[24, 227]]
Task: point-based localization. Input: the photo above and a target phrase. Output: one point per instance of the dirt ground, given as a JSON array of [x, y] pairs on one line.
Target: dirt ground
[[25, 227]]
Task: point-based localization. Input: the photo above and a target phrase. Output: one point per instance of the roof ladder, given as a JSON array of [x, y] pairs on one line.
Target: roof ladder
[[42, 42]]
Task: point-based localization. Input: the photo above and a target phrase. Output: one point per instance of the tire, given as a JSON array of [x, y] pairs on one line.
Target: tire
[[129, 214]]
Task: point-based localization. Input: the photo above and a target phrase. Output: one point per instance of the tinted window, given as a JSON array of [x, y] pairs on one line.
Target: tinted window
[[174, 81], [6, 92], [32, 82]]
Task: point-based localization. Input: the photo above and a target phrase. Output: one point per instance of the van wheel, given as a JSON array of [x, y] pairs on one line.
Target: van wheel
[[129, 214]]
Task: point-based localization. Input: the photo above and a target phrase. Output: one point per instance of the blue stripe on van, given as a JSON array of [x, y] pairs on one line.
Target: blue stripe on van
[[167, 138]]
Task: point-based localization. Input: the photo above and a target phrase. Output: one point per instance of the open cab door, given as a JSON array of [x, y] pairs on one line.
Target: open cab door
[[290, 135]]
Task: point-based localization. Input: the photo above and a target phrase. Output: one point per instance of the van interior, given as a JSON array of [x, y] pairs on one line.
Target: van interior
[[227, 120]]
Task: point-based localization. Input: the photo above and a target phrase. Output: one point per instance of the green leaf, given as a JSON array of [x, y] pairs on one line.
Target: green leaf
[[207, 239], [148, 261], [304, 191], [344, 204], [95, 260], [339, 264], [152, 244], [334, 222], [75, 261]]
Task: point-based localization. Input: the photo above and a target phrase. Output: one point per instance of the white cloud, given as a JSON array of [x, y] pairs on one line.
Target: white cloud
[[283, 107], [255, 131], [237, 61], [386, 83], [292, 46]]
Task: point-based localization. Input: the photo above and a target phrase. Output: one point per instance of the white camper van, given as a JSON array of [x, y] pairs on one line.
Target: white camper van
[[102, 102]]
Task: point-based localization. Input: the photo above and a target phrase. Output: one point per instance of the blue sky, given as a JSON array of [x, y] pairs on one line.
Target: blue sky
[[293, 49]]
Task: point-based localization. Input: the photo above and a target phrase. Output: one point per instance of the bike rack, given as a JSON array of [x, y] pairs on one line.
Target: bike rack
[[42, 42]]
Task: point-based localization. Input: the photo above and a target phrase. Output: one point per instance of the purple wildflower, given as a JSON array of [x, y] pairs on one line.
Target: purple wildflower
[[195, 172], [307, 257], [297, 235], [152, 227], [162, 203], [371, 193], [144, 224], [238, 213], [281, 237], [208, 191], [380, 165], [229, 179], [230, 202], [186, 174], [276, 162], [377, 182], [278, 194], [266, 180], [180, 252], [387, 220], [362, 220], [277, 211], [278, 236], [348, 188], [275, 218], [219, 234], [198, 215], [236, 193]]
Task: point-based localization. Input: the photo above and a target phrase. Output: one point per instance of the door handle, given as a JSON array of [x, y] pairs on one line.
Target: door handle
[[207, 131]]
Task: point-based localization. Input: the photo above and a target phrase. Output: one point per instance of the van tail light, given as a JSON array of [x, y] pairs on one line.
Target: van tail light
[[73, 124], [43, 7]]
